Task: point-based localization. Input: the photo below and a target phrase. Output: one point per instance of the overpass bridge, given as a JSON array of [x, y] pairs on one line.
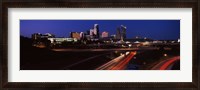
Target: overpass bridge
[[112, 49]]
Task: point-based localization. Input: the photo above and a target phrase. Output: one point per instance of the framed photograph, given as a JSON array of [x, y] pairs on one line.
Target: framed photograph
[[100, 44]]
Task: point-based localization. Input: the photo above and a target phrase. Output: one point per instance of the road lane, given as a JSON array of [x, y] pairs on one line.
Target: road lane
[[169, 62], [118, 63], [114, 49], [110, 64], [122, 65], [164, 64]]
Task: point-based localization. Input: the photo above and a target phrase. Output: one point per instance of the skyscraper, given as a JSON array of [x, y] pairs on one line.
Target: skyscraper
[[123, 32], [91, 32], [82, 35], [118, 34], [96, 30]]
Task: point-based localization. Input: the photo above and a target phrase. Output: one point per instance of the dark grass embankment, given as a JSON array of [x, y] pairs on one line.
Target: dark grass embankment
[[33, 58]]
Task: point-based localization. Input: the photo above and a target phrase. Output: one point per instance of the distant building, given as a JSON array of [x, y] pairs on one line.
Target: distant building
[[75, 35], [113, 36], [47, 35], [88, 37], [36, 36], [104, 34], [92, 32], [60, 40], [96, 30], [82, 35], [41, 40], [156, 41], [118, 34], [123, 32]]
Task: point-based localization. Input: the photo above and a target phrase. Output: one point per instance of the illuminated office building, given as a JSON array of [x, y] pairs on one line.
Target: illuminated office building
[[123, 32], [82, 35], [75, 35], [96, 30], [91, 32], [118, 34], [104, 34]]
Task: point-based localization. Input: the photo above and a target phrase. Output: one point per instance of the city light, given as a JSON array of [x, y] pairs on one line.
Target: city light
[[98, 48]]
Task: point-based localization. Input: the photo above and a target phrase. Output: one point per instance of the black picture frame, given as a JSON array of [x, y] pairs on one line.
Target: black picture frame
[[194, 4]]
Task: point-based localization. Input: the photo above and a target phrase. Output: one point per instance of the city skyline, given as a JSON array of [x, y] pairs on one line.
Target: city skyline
[[91, 45], [154, 29]]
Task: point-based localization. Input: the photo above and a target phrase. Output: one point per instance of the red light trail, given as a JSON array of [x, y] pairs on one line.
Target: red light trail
[[118, 63], [165, 64], [169, 62], [123, 63]]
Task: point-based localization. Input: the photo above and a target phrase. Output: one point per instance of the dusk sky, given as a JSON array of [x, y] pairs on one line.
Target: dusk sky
[[154, 29]]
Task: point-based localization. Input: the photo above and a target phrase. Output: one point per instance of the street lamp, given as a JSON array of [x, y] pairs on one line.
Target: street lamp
[[129, 45]]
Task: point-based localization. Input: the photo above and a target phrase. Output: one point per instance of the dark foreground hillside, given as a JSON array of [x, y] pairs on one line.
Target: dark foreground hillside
[[33, 58]]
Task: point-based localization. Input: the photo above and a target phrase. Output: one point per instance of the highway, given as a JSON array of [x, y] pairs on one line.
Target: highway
[[118, 63], [165, 64], [114, 49]]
